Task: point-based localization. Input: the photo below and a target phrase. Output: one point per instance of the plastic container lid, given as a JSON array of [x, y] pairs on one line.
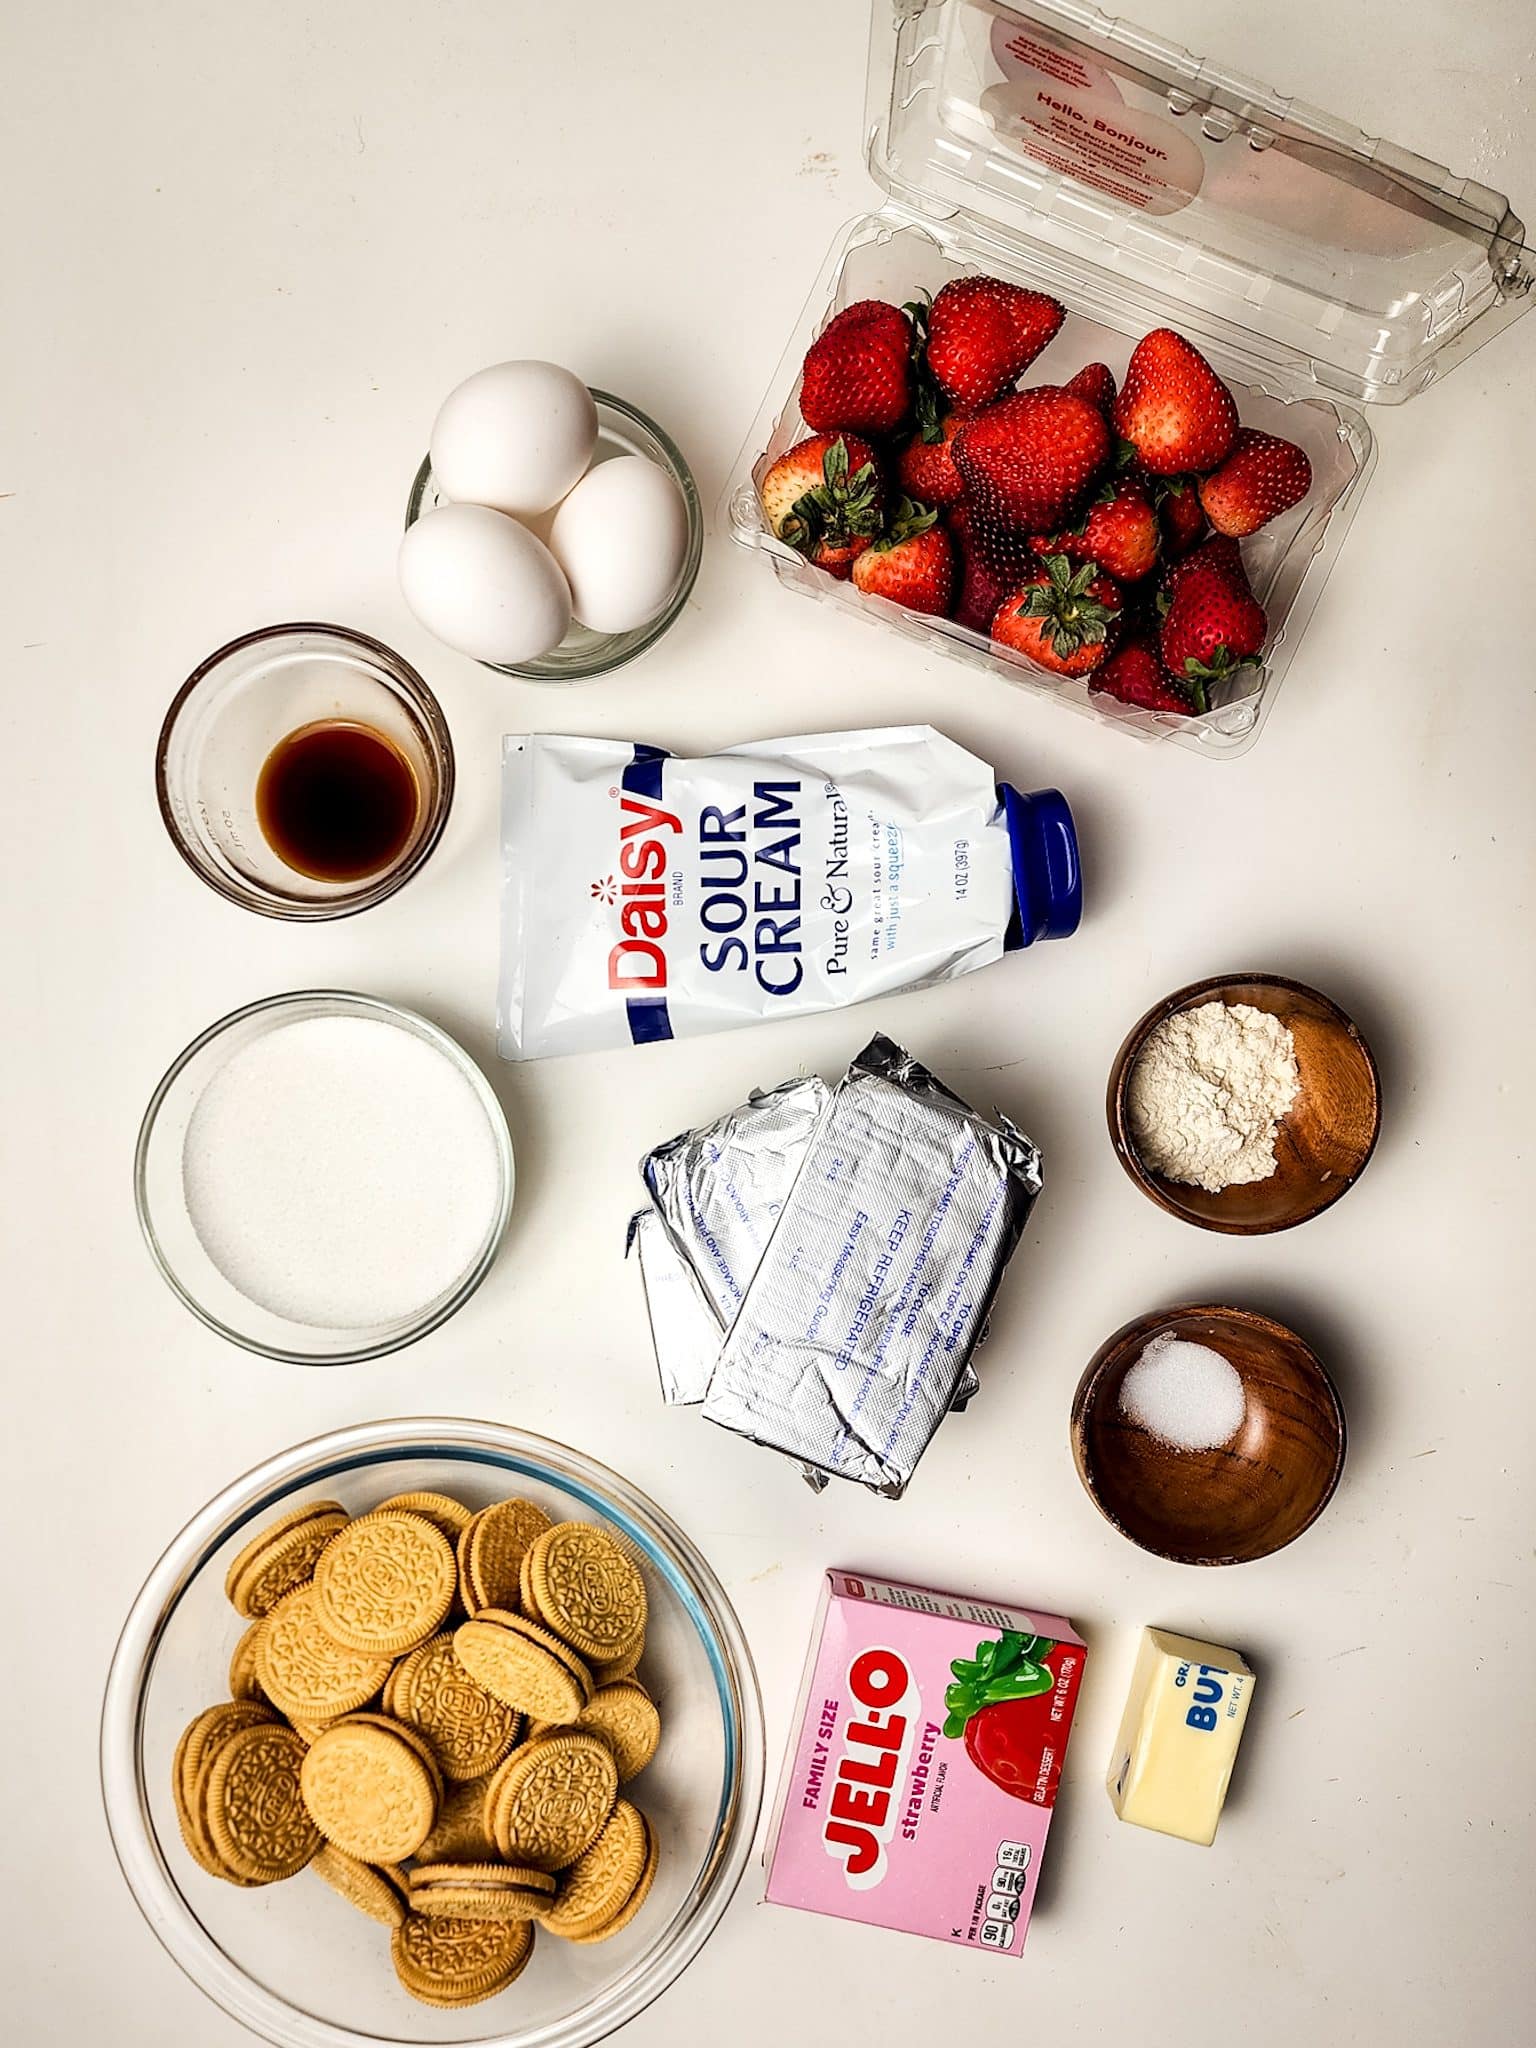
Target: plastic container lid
[[1048, 125], [1047, 878]]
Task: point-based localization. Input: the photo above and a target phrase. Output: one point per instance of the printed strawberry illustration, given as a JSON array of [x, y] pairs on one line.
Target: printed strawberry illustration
[[1134, 674], [981, 334], [1096, 383], [858, 372], [913, 564], [1119, 531], [1061, 618], [1174, 407], [992, 565], [826, 499], [1212, 624], [1261, 477], [1029, 460], [990, 1705], [925, 468]]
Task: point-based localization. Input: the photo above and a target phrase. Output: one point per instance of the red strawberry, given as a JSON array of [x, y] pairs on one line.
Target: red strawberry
[[1181, 515], [913, 565], [858, 371], [991, 566], [1174, 407], [825, 498], [1061, 617], [1096, 383], [1028, 460], [1011, 1703], [1218, 553], [1212, 623], [837, 557], [1119, 531], [1262, 477], [1135, 674], [926, 468], [982, 333]]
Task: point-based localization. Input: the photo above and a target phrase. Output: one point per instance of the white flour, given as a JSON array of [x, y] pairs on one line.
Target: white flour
[[1207, 1093]]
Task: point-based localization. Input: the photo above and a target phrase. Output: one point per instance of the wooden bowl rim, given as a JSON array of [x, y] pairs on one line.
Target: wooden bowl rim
[[1150, 1325], [1186, 999]]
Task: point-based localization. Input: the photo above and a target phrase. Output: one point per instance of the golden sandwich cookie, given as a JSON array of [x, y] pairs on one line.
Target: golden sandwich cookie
[[254, 1810], [480, 1891], [625, 1716], [468, 1728], [375, 1889], [601, 1881], [189, 1771], [304, 1671], [452, 1963], [372, 1788], [244, 1683], [547, 1804], [491, 1553], [524, 1665], [459, 1834], [385, 1583], [440, 1509], [281, 1556], [636, 1899], [585, 1585]]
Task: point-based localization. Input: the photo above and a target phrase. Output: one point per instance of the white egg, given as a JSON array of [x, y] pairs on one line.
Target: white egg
[[484, 584], [621, 537], [515, 436]]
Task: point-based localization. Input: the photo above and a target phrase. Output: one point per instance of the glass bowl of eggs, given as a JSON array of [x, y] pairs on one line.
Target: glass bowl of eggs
[[553, 532], [315, 1946]]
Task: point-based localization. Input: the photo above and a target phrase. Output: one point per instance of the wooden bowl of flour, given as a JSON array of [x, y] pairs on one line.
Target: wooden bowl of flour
[[1322, 1141]]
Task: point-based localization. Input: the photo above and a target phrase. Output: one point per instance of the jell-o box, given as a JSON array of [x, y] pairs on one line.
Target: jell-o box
[[918, 1788], [1178, 1740]]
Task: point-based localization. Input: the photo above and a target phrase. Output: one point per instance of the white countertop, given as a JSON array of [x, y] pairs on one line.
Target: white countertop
[[247, 252]]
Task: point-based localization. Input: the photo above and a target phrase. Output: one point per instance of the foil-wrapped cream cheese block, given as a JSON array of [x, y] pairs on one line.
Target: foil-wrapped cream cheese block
[[874, 1290]]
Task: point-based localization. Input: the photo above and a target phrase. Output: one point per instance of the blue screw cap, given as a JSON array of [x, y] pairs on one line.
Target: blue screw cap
[[1047, 876]]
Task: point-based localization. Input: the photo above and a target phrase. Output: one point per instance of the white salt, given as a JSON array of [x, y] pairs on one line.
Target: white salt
[[341, 1172], [1186, 1394]]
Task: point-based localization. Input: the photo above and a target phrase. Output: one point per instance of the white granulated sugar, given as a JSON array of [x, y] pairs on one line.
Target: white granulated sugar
[[1186, 1394], [340, 1171], [1207, 1093]]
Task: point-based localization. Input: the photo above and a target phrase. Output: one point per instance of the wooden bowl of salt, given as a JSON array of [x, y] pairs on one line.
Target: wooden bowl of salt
[[1208, 1435]]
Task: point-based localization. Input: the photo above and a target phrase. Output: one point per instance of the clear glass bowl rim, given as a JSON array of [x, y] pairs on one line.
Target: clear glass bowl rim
[[667, 1548], [395, 1013], [301, 910], [630, 646]]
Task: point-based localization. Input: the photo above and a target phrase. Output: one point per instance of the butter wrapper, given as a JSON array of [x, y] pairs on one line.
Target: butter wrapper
[[856, 1329]]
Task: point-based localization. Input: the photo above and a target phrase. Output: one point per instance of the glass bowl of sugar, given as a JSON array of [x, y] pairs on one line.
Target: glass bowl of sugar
[[322, 1177]]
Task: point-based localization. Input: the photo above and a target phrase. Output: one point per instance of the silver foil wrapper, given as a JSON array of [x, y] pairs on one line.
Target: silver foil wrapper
[[685, 1331], [716, 1194], [862, 1316], [719, 1189]]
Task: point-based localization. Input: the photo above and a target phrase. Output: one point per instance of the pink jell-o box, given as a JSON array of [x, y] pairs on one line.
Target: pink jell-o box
[[918, 1791]]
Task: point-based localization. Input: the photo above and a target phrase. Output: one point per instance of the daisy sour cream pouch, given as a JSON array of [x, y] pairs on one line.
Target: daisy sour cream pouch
[[647, 896]]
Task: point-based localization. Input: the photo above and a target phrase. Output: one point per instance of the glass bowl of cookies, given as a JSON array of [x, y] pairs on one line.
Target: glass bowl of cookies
[[432, 1731]]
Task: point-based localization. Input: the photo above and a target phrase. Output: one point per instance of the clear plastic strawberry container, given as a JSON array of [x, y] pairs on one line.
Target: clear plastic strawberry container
[[1317, 269]]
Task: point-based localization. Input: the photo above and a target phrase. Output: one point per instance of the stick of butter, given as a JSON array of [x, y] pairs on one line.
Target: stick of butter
[[1179, 1735]]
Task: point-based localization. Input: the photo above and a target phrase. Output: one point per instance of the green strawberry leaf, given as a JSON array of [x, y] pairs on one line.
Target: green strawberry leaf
[[1027, 1683]]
